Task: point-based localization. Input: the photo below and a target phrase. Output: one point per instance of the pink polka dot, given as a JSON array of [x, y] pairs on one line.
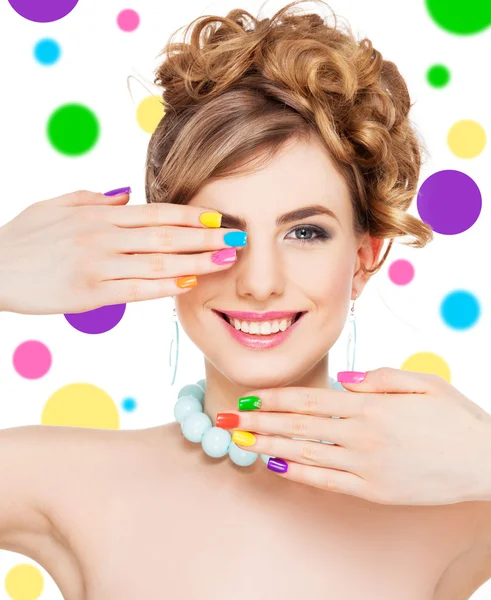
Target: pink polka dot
[[401, 272], [32, 359], [128, 20]]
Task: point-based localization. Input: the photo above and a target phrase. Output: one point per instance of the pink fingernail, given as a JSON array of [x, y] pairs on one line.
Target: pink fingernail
[[225, 256], [351, 376]]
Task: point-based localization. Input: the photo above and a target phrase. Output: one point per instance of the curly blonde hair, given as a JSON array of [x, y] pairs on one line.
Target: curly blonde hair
[[240, 87]]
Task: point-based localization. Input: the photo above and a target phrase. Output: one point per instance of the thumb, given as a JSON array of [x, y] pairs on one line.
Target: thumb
[[85, 198], [387, 380]]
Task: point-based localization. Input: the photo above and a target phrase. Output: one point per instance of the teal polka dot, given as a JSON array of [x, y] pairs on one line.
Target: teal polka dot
[[460, 309], [129, 404], [47, 51]]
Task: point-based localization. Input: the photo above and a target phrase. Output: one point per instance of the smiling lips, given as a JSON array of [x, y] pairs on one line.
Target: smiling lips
[[263, 334]]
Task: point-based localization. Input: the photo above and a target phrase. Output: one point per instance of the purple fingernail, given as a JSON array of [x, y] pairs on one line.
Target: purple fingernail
[[123, 190], [277, 465]]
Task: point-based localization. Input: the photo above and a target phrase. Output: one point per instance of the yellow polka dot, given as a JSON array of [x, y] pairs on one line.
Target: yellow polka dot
[[466, 139], [427, 362], [81, 405], [149, 113], [24, 582]]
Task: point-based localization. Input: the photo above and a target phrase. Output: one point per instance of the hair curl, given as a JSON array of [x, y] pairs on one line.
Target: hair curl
[[240, 88]]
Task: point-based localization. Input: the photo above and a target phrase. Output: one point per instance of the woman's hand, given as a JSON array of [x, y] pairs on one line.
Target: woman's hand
[[402, 438], [85, 250]]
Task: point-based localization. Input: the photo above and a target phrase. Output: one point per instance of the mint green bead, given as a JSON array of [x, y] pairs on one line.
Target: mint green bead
[[243, 458], [186, 405], [202, 384], [195, 426], [216, 442], [192, 390]]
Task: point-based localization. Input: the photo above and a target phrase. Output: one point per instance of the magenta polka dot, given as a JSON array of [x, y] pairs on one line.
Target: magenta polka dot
[[32, 359], [128, 20], [401, 272]]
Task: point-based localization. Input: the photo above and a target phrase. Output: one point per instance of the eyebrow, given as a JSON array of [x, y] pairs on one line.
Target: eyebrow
[[295, 215]]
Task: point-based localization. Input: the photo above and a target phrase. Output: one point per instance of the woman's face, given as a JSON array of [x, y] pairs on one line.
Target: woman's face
[[309, 265]]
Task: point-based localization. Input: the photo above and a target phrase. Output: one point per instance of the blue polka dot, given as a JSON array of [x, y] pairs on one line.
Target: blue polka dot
[[460, 309], [47, 51], [129, 404]]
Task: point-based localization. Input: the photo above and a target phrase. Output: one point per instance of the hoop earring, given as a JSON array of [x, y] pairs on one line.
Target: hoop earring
[[351, 345], [174, 344]]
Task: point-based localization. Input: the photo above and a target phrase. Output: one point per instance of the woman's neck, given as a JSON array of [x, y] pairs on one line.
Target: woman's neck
[[222, 394]]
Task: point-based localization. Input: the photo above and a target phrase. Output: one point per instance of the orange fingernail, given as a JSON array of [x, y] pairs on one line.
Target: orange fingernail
[[186, 282]]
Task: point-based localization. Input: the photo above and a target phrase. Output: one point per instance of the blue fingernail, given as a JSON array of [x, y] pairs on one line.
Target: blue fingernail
[[235, 238]]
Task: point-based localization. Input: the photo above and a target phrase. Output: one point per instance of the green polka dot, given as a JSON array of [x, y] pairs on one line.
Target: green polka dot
[[73, 129], [438, 76], [462, 18]]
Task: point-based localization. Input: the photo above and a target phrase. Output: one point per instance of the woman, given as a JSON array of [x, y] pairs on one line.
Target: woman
[[260, 123]]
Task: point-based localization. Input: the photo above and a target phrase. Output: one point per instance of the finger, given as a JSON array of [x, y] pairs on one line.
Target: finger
[[160, 266], [161, 213], [307, 452], [310, 401], [86, 198], [136, 290], [331, 480], [291, 425], [394, 381], [168, 239]]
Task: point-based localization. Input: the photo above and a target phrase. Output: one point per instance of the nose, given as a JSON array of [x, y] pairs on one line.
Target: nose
[[259, 270]]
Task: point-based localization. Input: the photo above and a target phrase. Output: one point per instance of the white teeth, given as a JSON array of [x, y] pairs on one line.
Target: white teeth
[[261, 327]]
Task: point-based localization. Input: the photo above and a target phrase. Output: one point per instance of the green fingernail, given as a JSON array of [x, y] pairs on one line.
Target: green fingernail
[[249, 403]]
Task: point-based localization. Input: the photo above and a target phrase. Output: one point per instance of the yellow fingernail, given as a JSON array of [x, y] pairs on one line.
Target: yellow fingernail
[[211, 219], [244, 438]]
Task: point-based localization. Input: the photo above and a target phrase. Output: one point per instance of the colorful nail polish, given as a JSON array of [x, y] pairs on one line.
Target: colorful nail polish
[[186, 282], [351, 376], [249, 403], [244, 438], [235, 238], [277, 465], [227, 420], [211, 219], [117, 191], [225, 256]]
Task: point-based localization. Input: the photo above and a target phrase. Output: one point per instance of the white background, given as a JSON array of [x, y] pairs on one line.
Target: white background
[[131, 360]]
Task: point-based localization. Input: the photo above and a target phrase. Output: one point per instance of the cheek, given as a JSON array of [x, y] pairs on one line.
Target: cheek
[[325, 278]]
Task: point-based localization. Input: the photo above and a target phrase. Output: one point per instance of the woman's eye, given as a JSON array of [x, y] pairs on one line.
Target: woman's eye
[[307, 233]]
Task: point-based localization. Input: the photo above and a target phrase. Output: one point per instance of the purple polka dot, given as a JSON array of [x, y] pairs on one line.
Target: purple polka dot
[[450, 202], [401, 272], [98, 320], [32, 359], [43, 11]]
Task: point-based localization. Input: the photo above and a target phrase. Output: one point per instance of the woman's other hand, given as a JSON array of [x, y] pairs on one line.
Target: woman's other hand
[[84, 250], [400, 438]]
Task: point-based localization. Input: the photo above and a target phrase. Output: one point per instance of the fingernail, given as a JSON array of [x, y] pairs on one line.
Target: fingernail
[[351, 376], [225, 256], [227, 420], [186, 282], [117, 191], [211, 219], [244, 438], [235, 238], [249, 403], [277, 465]]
